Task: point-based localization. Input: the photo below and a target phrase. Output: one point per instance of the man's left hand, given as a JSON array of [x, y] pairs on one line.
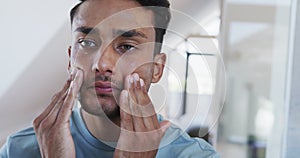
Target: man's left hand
[[141, 132]]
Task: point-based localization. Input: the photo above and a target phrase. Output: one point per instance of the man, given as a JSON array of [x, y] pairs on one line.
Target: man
[[114, 58]]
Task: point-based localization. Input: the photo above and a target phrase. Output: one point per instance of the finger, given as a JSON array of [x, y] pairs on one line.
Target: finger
[[150, 117], [148, 111], [141, 95], [138, 89], [128, 82], [131, 96], [164, 125], [144, 106], [137, 85], [143, 88], [138, 122], [155, 121], [147, 108], [149, 124], [138, 96], [66, 109], [59, 95], [53, 102], [152, 114], [126, 118], [50, 119], [52, 115], [78, 80]]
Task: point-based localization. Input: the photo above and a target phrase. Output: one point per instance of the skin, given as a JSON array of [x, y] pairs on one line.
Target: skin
[[127, 63]]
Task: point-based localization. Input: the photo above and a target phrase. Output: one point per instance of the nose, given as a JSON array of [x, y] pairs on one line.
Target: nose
[[105, 61]]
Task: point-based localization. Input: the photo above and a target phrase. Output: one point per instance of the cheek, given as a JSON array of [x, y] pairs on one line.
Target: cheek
[[81, 61], [145, 71], [131, 62], [82, 58], [134, 66]]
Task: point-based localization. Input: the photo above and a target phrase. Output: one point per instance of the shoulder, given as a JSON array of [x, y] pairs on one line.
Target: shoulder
[[24, 144], [177, 143], [21, 144], [23, 138]]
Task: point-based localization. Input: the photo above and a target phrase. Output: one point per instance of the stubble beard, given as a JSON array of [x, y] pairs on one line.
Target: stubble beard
[[110, 110], [104, 105]]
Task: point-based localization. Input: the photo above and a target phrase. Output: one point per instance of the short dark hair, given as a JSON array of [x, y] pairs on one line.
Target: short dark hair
[[162, 17]]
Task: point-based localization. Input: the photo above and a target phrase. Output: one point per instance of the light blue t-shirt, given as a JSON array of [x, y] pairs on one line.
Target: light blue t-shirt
[[175, 144]]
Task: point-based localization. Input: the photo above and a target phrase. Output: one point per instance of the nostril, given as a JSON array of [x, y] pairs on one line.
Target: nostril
[[110, 71], [95, 68]]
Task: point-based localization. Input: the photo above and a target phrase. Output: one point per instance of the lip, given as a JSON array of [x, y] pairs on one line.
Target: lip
[[103, 87]]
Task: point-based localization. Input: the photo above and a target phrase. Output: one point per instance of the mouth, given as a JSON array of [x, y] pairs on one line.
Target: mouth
[[102, 87]]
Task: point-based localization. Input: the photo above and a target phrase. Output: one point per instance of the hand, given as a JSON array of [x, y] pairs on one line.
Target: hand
[[141, 132], [52, 126]]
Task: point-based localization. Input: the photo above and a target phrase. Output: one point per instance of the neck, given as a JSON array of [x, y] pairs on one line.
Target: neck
[[102, 127]]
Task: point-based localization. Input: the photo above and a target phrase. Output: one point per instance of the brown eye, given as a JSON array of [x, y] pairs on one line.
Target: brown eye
[[87, 43], [125, 47]]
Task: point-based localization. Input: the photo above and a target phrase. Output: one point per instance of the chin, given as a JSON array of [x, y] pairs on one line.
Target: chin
[[102, 105]]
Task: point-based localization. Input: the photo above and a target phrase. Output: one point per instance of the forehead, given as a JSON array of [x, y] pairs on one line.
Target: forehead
[[113, 14]]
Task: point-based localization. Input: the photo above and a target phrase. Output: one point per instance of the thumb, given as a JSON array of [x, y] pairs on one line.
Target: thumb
[[164, 125]]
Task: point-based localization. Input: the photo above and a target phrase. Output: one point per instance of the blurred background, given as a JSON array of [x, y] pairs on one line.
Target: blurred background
[[231, 75]]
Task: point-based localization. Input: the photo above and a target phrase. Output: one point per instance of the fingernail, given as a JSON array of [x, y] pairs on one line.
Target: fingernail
[[136, 77], [130, 79], [79, 72], [142, 82], [73, 72], [125, 93]]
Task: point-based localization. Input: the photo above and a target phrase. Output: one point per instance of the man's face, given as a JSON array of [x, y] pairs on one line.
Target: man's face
[[109, 43]]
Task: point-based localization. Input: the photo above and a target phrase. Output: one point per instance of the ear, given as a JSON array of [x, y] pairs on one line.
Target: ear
[[158, 67], [69, 54]]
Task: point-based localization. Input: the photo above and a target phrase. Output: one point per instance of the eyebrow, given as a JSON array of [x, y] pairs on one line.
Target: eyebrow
[[87, 30], [130, 33]]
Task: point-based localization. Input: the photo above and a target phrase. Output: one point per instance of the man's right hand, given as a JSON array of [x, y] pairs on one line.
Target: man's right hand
[[52, 126]]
